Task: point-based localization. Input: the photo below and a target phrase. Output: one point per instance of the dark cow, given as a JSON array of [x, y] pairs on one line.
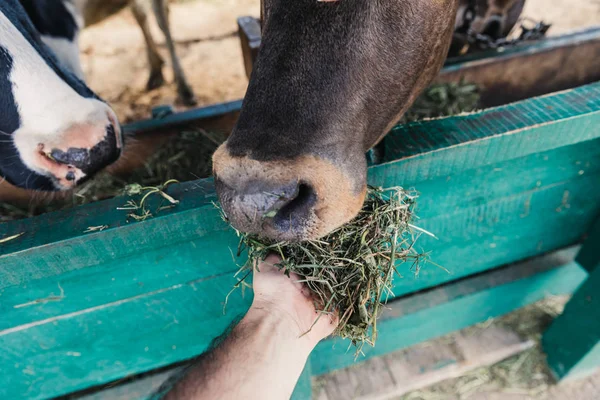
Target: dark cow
[[54, 131], [330, 81]]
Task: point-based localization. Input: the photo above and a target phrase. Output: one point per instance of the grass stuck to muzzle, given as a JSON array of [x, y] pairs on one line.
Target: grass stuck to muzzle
[[351, 270]]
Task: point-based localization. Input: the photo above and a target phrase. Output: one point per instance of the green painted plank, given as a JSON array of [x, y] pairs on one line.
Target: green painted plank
[[102, 344], [492, 234], [448, 194], [419, 151], [572, 343], [154, 339], [136, 276], [447, 309], [54, 243], [524, 128], [589, 257]]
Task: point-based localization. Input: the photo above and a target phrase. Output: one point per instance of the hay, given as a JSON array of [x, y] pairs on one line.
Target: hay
[[525, 374], [351, 270], [443, 99]]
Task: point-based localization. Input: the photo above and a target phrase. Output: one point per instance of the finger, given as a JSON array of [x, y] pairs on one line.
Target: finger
[[268, 264]]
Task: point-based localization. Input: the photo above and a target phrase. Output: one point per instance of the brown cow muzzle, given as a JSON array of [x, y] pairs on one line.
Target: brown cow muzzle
[[298, 199]]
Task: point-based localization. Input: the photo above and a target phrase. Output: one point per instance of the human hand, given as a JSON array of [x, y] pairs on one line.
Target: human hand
[[290, 301]]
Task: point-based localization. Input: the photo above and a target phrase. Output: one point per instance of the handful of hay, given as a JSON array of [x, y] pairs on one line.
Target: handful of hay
[[350, 271]]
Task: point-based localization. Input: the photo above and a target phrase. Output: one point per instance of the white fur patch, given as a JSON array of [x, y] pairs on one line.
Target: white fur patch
[[47, 105]]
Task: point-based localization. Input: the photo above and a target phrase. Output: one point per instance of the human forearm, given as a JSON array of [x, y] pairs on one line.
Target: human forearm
[[261, 358]]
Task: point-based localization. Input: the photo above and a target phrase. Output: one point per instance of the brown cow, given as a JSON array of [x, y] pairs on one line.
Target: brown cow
[[330, 81]]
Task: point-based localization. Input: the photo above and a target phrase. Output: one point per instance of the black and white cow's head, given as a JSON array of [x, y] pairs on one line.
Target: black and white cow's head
[[54, 131]]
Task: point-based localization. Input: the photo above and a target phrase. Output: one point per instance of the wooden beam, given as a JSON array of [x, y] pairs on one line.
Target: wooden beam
[[415, 154], [442, 310], [572, 342], [423, 365], [589, 256], [549, 65], [474, 299], [250, 37]]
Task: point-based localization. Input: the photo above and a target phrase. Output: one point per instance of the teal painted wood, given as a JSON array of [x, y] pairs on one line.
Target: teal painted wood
[[75, 327], [303, 390], [572, 343], [423, 317], [161, 327], [183, 118], [490, 234], [52, 239], [55, 243], [589, 256], [498, 134]]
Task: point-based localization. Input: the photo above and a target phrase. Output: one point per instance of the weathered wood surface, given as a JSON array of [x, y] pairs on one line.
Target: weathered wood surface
[[454, 306], [82, 309], [549, 65], [147, 383], [425, 364], [573, 340], [589, 256], [546, 66]]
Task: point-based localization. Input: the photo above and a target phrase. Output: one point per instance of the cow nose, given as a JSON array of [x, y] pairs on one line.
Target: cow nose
[[91, 159], [281, 212], [82, 151]]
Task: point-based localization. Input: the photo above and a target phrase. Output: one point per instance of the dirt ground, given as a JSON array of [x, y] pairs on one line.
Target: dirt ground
[[115, 64]]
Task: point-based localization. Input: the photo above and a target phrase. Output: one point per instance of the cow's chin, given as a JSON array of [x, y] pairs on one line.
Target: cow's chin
[[293, 199]]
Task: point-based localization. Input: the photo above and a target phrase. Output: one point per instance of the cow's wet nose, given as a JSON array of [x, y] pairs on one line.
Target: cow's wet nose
[[281, 212], [91, 159], [84, 151]]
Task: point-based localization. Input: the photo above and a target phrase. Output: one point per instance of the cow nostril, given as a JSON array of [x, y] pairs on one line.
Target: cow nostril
[[296, 211]]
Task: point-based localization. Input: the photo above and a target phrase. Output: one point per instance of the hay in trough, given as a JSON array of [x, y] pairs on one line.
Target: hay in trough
[[350, 271]]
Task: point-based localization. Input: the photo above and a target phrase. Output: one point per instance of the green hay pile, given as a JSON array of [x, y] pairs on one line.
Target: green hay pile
[[443, 99], [350, 271]]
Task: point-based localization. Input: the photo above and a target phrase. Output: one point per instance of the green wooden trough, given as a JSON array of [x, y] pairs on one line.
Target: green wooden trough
[[110, 313]]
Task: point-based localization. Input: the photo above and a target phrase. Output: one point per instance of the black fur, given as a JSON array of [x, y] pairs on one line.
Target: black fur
[[51, 18]]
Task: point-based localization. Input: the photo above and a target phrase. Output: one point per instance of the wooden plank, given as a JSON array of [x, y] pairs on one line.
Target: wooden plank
[[492, 234], [55, 243], [443, 310], [589, 256], [422, 365], [549, 65], [572, 342], [494, 135], [104, 344], [250, 37], [179, 119], [51, 239]]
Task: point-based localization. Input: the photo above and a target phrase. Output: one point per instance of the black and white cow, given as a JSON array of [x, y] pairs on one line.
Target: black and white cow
[[54, 131]]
